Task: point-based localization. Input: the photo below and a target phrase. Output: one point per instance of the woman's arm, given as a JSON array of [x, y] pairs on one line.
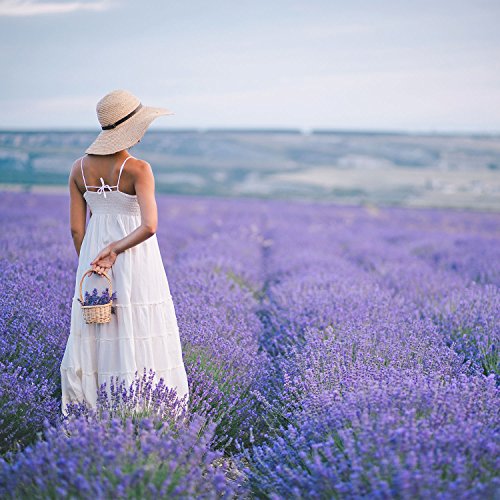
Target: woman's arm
[[77, 212], [145, 190]]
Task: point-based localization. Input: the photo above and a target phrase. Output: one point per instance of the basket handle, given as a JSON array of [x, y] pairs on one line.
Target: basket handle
[[88, 273]]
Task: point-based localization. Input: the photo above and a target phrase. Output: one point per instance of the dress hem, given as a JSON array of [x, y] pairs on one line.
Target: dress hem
[[99, 372]]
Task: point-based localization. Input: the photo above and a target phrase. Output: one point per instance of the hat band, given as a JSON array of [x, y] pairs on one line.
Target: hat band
[[121, 120]]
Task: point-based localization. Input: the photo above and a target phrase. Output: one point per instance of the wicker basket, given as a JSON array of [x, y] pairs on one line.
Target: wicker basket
[[96, 313]]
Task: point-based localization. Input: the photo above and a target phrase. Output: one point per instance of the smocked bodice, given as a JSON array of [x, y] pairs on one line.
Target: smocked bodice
[[115, 202]]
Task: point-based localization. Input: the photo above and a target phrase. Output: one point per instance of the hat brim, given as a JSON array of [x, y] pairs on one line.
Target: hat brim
[[126, 134]]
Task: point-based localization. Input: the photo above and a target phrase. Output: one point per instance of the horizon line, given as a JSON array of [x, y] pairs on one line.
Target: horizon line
[[289, 130]]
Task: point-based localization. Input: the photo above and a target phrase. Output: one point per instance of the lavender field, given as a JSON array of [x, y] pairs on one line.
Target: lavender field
[[332, 352]]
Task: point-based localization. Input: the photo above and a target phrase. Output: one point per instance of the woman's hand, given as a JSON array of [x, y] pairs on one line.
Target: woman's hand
[[104, 260]]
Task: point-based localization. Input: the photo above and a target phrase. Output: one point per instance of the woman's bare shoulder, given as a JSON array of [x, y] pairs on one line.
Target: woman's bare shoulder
[[75, 172], [138, 168]]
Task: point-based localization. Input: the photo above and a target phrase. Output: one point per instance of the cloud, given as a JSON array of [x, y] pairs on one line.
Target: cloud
[[17, 8]]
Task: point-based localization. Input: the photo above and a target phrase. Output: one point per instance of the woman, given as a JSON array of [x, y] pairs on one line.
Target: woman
[[120, 240]]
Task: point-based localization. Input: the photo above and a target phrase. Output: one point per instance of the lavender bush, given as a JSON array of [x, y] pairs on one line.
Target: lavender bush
[[332, 352], [111, 458], [142, 398]]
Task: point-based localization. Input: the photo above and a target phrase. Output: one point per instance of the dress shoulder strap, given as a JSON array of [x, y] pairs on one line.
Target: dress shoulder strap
[[120, 173], [83, 175]]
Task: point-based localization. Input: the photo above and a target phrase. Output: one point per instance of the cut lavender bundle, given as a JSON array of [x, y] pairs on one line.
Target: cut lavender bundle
[[94, 299]]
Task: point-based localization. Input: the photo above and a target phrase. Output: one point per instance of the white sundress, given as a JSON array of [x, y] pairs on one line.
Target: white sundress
[[143, 332]]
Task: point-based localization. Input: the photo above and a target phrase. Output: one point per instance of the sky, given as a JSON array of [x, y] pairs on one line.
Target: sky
[[401, 65]]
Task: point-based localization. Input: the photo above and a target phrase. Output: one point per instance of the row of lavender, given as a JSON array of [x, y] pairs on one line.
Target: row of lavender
[[384, 327], [331, 352]]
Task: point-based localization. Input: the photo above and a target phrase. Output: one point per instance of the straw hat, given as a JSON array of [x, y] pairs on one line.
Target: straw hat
[[124, 120]]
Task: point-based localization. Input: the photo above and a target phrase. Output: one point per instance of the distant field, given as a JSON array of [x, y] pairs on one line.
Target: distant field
[[345, 167]]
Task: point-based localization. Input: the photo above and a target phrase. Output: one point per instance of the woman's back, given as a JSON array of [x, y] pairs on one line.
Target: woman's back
[[111, 169]]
